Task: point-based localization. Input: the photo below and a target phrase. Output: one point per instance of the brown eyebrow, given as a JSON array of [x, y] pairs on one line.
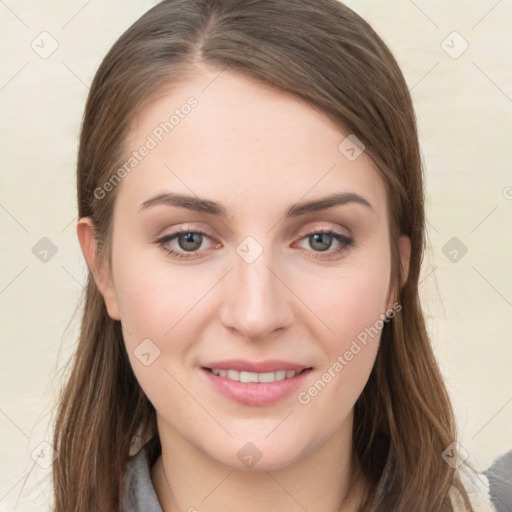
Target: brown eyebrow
[[206, 206]]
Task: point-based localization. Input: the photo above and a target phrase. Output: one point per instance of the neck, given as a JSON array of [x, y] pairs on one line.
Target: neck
[[186, 478]]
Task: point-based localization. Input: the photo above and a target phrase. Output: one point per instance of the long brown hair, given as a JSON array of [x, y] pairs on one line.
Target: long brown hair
[[325, 54]]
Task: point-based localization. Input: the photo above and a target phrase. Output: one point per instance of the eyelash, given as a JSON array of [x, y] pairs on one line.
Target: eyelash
[[345, 240]]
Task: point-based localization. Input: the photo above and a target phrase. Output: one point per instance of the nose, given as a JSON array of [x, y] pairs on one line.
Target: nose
[[257, 299]]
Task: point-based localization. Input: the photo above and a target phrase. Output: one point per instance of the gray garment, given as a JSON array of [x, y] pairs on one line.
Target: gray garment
[[499, 475], [141, 495]]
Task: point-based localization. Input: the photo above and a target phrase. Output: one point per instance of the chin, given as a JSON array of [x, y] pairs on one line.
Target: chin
[[257, 455]]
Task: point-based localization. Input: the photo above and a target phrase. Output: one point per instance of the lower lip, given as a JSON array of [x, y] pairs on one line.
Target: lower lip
[[256, 394]]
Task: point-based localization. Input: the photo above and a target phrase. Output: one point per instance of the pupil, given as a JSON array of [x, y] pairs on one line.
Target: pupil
[[189, 239], [323, 245]]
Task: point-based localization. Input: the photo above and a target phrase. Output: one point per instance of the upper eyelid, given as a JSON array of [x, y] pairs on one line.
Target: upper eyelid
[[184, 230], [185, 227]]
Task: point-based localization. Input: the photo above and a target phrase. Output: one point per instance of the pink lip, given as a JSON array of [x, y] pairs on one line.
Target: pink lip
[[252, 366], [256, 394]]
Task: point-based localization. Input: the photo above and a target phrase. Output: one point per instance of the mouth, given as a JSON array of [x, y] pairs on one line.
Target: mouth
[[256, 389], [255, 377]]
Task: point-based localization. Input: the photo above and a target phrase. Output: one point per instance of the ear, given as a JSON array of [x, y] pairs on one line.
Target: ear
[[404, 248], [101, 273], [404, 244]]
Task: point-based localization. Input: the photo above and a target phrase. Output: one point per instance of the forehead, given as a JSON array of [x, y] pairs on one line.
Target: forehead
[[226, 136]]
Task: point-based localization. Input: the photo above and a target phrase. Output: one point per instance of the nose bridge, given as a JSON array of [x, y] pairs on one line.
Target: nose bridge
[[257, 302]]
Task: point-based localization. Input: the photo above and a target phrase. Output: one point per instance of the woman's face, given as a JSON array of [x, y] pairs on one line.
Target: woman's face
[[256, 284]]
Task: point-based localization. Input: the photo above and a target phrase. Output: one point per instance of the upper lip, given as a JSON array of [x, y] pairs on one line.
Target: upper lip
[[255, 366]]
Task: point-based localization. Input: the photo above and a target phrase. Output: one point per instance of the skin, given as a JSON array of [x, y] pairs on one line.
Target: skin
[[257, 151]]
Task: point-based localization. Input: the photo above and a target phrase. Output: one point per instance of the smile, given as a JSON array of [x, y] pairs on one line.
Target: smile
[[255, 389], [242, 376]]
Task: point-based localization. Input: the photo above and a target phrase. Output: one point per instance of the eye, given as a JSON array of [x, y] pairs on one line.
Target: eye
[[188, 242], [322, 240]]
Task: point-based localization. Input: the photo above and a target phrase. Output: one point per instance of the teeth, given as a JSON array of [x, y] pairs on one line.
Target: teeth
[[264, 377], [253, 376], [233, 375], [248, 376]]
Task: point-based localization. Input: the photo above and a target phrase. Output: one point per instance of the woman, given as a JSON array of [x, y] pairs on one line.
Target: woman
[[251, 211]]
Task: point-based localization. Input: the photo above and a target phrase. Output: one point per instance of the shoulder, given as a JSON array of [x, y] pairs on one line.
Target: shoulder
[[140, 494], [499, 475], [477, 488]]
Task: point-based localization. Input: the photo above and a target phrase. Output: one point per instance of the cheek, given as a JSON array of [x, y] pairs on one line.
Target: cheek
[[159, 311], [352, 305], [349, 300], [154, 296]]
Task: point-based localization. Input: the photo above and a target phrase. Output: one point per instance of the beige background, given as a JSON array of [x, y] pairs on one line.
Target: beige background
[[464, 108]]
